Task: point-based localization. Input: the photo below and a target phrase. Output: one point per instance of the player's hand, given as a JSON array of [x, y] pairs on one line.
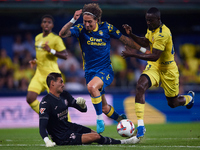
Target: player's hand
[[77, 14], [148, 52], [127, 53], [33, 63], [81, 102], [127, 28], [48, 142], [46, 47]]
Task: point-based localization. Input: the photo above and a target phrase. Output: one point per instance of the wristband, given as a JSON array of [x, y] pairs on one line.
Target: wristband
[[143, 50], [72, 20], [53, 51], [46, 139]]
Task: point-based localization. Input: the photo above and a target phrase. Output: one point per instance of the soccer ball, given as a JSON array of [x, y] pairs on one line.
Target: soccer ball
[[125, 128]]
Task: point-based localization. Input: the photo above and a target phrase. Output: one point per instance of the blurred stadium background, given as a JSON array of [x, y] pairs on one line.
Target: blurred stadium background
[[20, 23]]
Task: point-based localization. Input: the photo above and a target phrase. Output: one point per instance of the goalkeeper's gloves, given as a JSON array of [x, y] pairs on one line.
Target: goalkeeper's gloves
[[48, 142], [81, 102]]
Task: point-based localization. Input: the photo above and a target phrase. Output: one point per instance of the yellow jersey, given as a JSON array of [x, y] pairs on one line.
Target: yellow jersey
[[46, 61], [161, 39]]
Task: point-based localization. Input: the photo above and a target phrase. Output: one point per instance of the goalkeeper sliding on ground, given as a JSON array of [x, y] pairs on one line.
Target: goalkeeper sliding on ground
[[53, 118]]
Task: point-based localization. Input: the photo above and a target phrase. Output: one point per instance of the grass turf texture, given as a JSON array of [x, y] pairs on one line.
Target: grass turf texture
[[159, 136]]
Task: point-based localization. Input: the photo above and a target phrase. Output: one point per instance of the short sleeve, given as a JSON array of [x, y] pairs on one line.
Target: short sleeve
[[76, 30], [59, 44], [113, 31], [44, 109]]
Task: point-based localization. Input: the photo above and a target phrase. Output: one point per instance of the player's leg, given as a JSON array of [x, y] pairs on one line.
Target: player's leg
[[34, 89], [97, 138], [170, 84], [93, 87], [182, 100], [31, 99], [109, 110], [142, 85]]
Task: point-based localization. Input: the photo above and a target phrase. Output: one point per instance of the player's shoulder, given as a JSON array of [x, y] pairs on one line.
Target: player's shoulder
[[164, 30], [45, 100], [65, 93], [38, 36], [53, 34], [79, 26], [105, 24]]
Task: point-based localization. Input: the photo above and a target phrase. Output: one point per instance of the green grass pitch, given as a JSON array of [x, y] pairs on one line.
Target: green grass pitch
[[179, 136]]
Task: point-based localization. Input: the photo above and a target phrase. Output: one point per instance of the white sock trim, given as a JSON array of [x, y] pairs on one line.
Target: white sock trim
[[100, 117], [140, 122]]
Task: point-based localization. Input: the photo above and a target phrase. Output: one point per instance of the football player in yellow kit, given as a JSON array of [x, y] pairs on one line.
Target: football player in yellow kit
[[49, 47], [161, 67]]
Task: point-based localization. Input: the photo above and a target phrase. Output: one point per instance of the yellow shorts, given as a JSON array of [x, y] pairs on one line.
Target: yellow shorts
[[38, 82], [169, 79]]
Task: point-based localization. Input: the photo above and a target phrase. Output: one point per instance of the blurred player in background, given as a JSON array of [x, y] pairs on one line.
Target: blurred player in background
[[94, 38], [161, 67], [53, 118], [49, 47]]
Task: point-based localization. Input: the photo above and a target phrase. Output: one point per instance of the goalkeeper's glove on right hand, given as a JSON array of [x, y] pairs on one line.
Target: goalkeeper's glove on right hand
[[48, 142], [81, 102]]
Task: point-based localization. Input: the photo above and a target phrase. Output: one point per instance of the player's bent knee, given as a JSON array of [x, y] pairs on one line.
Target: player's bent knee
[[31, 97], [90, 88], [172, 105]]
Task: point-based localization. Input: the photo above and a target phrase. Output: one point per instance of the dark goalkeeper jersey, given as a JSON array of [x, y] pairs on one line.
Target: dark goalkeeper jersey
[[53, 115]]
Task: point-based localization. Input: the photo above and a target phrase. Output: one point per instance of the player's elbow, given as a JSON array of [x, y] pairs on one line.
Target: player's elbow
[[65, 55], [154, 58]]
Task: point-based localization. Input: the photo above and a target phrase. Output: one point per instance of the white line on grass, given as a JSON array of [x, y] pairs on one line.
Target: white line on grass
[[173, 138], [179, 146]]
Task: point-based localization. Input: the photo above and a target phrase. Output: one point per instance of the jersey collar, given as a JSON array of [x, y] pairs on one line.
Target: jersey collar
[[97, 27], [156, 28]]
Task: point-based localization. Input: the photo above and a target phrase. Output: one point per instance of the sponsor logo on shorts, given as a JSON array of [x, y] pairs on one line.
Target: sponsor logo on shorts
[[72, 136]]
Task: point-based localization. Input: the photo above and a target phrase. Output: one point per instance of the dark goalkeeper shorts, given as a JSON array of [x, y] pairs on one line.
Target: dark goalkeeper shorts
[[72, 135]]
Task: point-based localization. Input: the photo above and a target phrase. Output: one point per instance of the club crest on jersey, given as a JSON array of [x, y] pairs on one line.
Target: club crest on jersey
[[42, 110], [100, 32], [72, 136], [152, 39]]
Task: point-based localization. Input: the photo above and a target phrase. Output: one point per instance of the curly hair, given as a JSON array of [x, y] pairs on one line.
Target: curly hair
[[94, 9]]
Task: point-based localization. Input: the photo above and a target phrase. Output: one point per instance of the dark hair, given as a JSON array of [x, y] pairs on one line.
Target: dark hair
[[48, 16], [52, 76], [154, 10], [94, 9]]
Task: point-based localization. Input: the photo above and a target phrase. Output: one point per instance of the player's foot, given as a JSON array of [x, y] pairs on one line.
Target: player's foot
[[191, 103], [100, 126], [122, 116], [132, 140], [140, 131]]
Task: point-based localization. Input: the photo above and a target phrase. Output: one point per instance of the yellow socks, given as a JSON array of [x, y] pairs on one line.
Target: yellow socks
[[35, 106], [187, 99], [139, 110]]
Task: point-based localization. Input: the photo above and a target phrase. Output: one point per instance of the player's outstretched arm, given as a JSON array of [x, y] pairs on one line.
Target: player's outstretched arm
[[81, 102], [65, 32], [148, 57], [144, 42], [128, 41], [33, 62], [62, 54], [48, 142]]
